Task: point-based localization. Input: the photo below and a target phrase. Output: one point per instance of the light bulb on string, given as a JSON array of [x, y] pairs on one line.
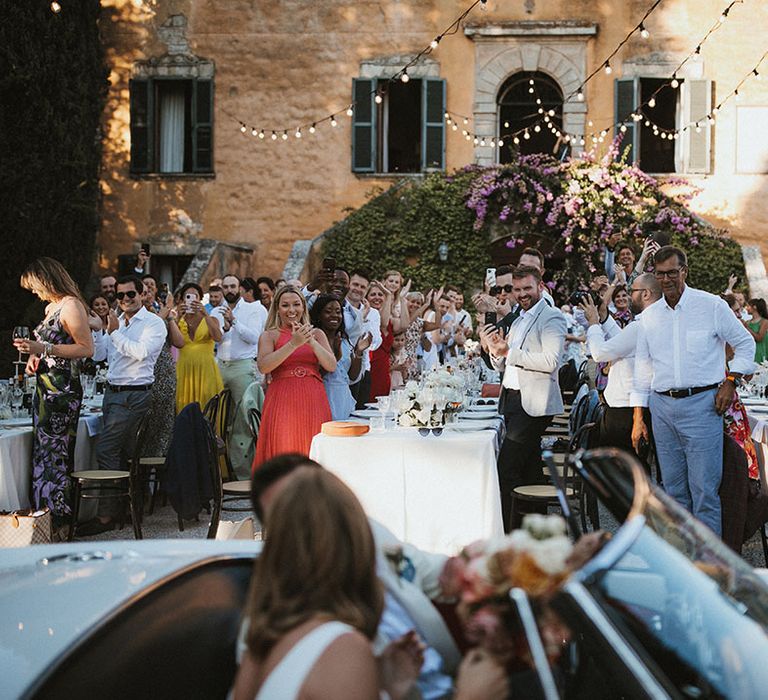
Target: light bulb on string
[[538, 100], [261, 134], [647, 122], [378, 99], [551, 113], [274, 136], [434, 43], [334, 123], [243, 128], [567, 138], [298, 133], [757, 75], [540, 110], [492, 144], [501, 143], [698, 128], [580, 96], [466, 121], [623, 128], [607, 68], [312, 129], [652, 102], [724, 16], [285, 136], [590, 123], [643, 31], [350, 111], [675, 83], [531, 81], [697, 54], [454, 127], [254, 132], [531, 91], [516, 141], [405, 77], [675, 136], [582, 142], [526, 135], [537, 128], [447, 115], [736, 96], [506, 125], [482, 142], [55, 7], [464, 132], [483, 5], [716, 110], [468, 137], [476, 141], [710, 120]]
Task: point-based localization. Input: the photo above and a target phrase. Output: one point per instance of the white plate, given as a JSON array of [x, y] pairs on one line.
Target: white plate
[[483, 409], [476, 415], [365, 413]]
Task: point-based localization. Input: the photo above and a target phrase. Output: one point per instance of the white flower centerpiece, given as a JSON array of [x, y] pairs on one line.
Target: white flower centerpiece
[[430, 405]]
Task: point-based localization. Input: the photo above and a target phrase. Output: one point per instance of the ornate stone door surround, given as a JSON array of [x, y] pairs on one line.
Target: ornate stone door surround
[[557, 48]]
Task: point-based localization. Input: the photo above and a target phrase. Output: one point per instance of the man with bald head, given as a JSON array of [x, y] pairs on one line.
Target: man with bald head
[[609, 343]]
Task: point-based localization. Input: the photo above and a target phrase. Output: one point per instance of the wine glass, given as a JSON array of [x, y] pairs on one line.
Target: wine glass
[[17, 399], [20, 333]]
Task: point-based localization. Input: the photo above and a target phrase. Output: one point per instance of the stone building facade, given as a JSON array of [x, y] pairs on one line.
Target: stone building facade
[[180, 173]]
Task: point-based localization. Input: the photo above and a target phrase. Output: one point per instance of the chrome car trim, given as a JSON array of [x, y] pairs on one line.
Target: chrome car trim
[[628, 656], [78, 642], [541, 664]]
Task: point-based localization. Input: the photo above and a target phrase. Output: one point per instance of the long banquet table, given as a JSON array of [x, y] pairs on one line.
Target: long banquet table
[[16, 459], [438, 493]]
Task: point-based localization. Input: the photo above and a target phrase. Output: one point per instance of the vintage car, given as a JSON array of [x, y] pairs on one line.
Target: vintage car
[[663, 610]]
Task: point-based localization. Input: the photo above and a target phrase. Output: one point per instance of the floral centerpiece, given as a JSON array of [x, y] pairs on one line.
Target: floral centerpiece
[[430, 404], [537, 558]]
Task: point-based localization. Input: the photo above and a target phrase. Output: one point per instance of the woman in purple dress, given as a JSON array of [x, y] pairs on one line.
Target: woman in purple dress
[[62, 339]]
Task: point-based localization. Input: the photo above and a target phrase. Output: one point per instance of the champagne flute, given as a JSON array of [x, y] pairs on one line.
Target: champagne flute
[[20, 333]]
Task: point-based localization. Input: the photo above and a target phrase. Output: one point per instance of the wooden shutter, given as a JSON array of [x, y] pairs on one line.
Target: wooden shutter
[[433, 124], [695, 107], [363, 126], [627, 100], [202, 126], [142, 127]]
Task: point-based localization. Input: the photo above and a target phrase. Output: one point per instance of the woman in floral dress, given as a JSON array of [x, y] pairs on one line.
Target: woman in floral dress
[[62, 339]]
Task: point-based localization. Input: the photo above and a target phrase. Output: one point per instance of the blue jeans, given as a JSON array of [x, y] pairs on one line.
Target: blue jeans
[[688, 434]]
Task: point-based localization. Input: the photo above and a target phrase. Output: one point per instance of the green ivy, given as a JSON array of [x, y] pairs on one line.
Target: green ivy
[[402, 229], [52, 88]]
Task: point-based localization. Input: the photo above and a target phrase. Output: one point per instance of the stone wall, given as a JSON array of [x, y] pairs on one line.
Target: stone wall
[[285, 62]]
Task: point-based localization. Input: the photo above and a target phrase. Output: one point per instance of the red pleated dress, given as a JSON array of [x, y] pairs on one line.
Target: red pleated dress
[[295, 406]]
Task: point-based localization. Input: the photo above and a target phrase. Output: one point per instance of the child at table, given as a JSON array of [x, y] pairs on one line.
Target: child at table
[[399, 361]]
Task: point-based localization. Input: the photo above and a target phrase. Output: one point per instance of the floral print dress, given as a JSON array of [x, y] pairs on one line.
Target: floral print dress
[[55, 413]]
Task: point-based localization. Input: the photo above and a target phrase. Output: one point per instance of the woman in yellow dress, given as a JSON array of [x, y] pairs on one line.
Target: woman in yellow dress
[[197, 374]]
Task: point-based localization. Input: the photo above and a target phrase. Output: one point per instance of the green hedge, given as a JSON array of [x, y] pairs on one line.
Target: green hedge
[[52, 88]]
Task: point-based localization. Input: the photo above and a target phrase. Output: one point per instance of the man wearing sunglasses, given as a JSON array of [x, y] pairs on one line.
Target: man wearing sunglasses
[[680, 374], [132, 348]]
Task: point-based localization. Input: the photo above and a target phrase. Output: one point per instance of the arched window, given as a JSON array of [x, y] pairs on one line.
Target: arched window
[[518, 109]]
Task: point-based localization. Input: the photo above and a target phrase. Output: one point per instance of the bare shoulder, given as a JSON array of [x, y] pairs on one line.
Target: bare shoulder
[[345, 671], [72, 309]]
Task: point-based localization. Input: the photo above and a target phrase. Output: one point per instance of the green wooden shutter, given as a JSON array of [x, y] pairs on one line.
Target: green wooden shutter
[[363, 126], [433, 124], [202, 126], [142, 127], [627, 100]]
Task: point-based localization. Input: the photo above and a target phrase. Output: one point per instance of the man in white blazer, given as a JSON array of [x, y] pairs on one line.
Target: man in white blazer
[[530, 357], [410, 577]]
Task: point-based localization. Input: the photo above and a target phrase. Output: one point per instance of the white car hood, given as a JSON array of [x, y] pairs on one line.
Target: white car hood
[[50, 595]]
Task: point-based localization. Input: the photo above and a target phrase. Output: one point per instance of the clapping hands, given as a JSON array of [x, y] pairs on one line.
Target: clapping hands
[[302, 334]]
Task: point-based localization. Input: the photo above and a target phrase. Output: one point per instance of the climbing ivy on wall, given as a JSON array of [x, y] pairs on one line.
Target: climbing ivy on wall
[[52, 86]]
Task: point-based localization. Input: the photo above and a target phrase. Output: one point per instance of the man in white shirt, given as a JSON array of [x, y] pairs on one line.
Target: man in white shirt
[[530, 359], [679, 374], [607, 342], [132, 348], [242, 323], [367, 320]]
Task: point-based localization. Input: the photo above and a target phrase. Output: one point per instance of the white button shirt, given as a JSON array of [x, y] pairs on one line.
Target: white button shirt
[[514, 340], [132, 349], [372, 325], [610, 343], [684, 347], [241, 341]]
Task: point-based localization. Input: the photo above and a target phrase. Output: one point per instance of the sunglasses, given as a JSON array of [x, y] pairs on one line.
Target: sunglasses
[[483, 402], [130, 295], [497, 289], [426, 431]]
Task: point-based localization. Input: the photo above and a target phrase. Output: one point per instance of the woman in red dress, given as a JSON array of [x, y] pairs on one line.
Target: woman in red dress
[[293, 352], [380, 298]]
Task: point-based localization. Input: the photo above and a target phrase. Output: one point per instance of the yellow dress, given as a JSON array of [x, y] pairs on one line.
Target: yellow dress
[[197, 374]]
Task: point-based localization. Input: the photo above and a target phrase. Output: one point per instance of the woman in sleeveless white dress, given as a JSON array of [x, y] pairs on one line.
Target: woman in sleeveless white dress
[[317, 572]]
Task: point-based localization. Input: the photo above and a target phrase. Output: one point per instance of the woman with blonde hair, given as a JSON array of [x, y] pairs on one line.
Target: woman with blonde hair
[[315, 600], [62, 338], [293, 352]]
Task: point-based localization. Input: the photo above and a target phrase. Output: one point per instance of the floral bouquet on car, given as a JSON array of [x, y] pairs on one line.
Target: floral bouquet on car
[[538, 558], [432, 404]]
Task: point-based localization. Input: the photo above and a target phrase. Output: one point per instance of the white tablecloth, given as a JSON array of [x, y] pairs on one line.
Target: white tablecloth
[[16, 459], [438, 493]]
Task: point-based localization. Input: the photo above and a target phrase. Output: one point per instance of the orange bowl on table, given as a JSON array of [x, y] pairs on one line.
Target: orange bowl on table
[[341, 428]]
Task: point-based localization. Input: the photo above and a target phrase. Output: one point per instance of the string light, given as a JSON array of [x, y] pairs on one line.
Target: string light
[[434, 43], [501, 143], [526, 135], [334, 123], [537, 128], [243, 128], [724, 16], [261, 134], [405, 77], [607, 68], [466, 121], [312, 129], [298, 133], [516, 141], [580, 96], [675, 82], [697, 53], [378, 99], [643, 31], [349, 111], [254, 132], [757, 75], [55, 7], [274, 136], [652, 102], [285, 135]]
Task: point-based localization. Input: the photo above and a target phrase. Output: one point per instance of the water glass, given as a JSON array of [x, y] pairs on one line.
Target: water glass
[[377, 423]]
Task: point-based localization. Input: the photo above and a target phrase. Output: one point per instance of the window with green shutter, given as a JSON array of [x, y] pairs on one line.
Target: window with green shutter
[[404, 132], [171, 126]]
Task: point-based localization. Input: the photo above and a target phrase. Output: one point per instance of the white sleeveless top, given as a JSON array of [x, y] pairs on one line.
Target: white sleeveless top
[[285, 680]]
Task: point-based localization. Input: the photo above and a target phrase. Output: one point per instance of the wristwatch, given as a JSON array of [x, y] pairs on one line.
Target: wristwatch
[[737, 381]]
